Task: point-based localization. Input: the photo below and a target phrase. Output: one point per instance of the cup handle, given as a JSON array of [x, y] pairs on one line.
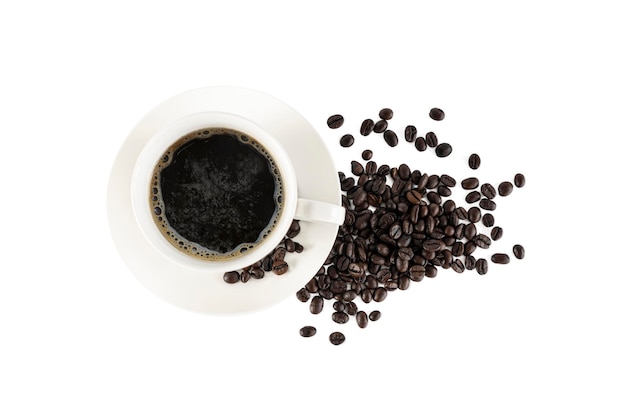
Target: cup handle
[[319, 211]]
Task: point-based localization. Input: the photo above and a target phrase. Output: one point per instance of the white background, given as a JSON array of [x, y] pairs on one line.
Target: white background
[[536, 87]]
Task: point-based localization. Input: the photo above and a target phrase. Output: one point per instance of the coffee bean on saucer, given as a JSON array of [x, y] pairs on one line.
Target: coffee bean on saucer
[[436, 114], [367, 127], [337, 338], [308, 331], [231, 277], [335, 121], [346, 140], [280, 267], [386, 114]]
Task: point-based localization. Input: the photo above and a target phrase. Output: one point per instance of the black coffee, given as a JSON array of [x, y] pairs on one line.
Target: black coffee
[[216, 193]]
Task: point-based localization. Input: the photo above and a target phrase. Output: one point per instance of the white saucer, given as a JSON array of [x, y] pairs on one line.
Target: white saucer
[[202, 291]]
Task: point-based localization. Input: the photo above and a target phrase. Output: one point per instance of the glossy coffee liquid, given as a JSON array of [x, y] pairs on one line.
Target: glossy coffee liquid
[[216, 193]]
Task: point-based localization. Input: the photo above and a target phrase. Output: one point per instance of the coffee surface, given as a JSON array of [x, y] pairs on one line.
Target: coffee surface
[[216, 193]]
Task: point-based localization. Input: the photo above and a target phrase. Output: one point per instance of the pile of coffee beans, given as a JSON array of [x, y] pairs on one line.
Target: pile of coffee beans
[[400, 227], [274, 262]]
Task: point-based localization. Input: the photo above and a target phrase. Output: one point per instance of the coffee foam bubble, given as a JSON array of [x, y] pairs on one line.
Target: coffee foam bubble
[[158, 208]]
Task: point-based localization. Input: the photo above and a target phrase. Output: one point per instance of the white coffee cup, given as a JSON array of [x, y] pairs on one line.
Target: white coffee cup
[[293, 207]]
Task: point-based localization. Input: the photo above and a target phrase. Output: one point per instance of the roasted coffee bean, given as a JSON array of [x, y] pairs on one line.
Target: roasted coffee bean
[[474, 161], [472, 197], [443, 149], [380, 294], [470, 262], [474, 214], [340, 317], [457, 248], [361, 319], [404, 172], [280, 267], [505, 188], [410, 133], [335, 121], [413, 196], [405, 253], [447, 180], [457, 266], [290, 245], [433, 245], [268, 263], [417, 272], [481, 266], [317, 305], [356, 270], [346, 140], [308, 331], [351, 308], [385, 114], [518, 251], [488, 190], [436, 114], [488, 220], [303, 295], [231, 277], [431, 271], [371, 167], [470, 183], [380, 126], [482, 241], [433, 181], [312, 286], [519, 180], [256, 273], [375, 315], [404, 282], [337, 338], [357, 168], [431, 139], [339, 306], [461, 212], [367, 155], [469, 231], [500, 258], [420, 144], [444, 191], [487, 204], [367, 127], [496, 233], [391, 138]]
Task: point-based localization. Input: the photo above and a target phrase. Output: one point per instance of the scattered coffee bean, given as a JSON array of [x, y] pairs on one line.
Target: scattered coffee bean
[[436, 114], [420, 144], [375, 315], [474, 214], [470, 183], [303, 295], [488, 220], [231, 277], [472, 197], [496, 233], [443, 149], [500, 258], [391, 138], [316, 305], [357, 168], [488, 190], [410, 133], [335, 121], [337, 338], [340, 317], [380, 126], [447, 180], [346, 140], [474, 161], [431, 139], [487, 204], [519, 180], [361, 319], [519, 252], [367, 127], [367, 155], [308, 331], [481, 266], [505, 188], [385, 114]]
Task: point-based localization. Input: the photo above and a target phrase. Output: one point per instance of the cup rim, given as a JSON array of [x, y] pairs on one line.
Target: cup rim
[[169, 134]]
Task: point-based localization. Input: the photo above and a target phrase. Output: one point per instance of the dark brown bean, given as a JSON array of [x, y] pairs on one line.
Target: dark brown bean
[[481, 266], [505, 188], [488, 220], [470, 183], [474, 161], [380, 294], [410, 133], [436, 114], [340, 317], [380, 126], [375, 315], [303, 295], [496, 233], [443, 149], [431, 139], [308, 331], [518, 251], [420, 144], [500, 258], [385, 114], [335, 121], [472, 197], [231, 277], [519, 180], [367, 155], [361, 319], [357, 168], [337, 338], [457, 266], [487, 204], [391, 138], [488, 190], [474, 214], [447, 180], [346, 140], [367, 127]]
